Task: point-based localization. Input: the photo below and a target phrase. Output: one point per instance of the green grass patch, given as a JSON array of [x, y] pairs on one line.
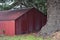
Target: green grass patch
[[29, 37]]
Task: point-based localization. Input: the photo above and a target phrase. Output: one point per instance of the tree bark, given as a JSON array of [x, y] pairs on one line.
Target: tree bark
[[53, 18]]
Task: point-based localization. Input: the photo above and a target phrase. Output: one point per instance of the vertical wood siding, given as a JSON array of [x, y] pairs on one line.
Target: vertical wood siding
[[30, 22], [7, 27]]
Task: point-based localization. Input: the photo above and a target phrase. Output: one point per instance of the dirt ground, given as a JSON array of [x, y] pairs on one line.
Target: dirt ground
[[55, 36]]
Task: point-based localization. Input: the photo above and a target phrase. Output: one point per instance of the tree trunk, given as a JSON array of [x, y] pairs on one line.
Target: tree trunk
[[53, 18]]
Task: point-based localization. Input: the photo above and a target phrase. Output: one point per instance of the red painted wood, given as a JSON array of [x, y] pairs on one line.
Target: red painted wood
[[24, 24], [23, 21], [31, 21], [18, 26], [8, 27]]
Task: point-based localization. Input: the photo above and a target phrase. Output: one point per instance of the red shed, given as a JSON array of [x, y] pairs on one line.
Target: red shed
[[15, 22]]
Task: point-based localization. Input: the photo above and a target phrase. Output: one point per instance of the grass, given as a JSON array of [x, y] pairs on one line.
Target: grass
[[28, 37]]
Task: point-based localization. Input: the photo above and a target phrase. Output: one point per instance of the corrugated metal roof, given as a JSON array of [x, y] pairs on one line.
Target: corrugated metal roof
[[12, 14]]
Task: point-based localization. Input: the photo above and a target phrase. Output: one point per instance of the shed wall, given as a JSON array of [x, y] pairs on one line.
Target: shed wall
[[31, 21], [7, 27]]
